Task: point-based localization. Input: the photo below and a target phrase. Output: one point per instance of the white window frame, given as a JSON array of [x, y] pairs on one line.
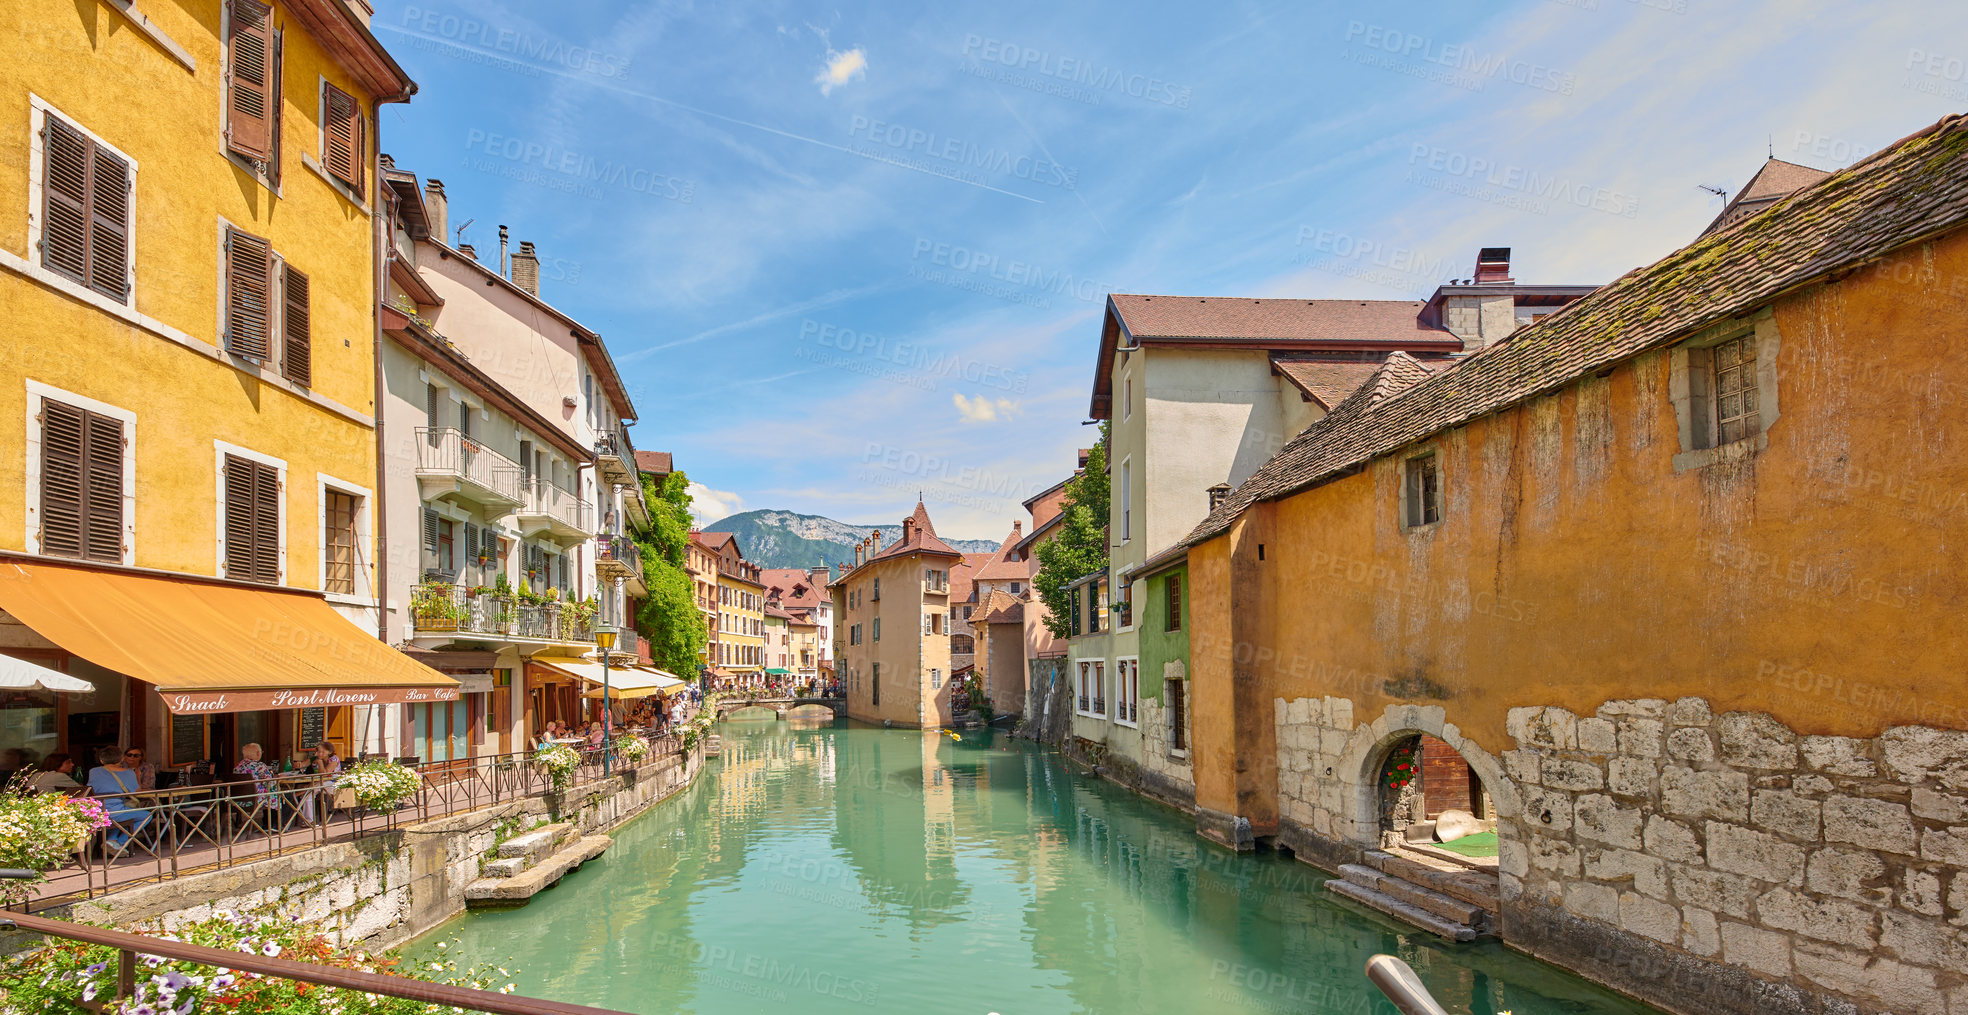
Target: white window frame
[[1127, 500], [39, 110], [36, 391], [1127, 669], [365, 591], [220, 449]]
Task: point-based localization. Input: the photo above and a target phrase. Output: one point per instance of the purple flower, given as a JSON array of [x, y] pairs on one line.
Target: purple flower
[[97, 968]]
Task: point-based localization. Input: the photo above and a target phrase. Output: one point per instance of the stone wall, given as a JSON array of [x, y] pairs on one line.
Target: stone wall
[[387, 888], [1706, 863], [1724, 862]]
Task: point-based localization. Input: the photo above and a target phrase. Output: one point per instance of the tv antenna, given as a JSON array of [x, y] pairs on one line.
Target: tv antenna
[[460, 232], [1721, 192]]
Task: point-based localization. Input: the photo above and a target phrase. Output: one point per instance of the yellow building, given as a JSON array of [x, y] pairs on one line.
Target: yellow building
[[902, 675], [186, 233], [737, 646]]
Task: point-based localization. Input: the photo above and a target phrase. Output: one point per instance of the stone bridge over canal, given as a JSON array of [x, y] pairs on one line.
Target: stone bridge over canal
[[782, 706]]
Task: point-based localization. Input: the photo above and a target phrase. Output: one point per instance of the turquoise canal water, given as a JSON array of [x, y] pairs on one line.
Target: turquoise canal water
[[837, 868]]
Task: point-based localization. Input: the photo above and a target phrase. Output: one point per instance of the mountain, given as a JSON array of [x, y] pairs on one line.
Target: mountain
[[789, 539]]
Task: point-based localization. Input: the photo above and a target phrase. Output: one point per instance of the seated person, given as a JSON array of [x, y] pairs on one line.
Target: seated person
[[259, 771], [56, 775], [109, 782], [326, 762]]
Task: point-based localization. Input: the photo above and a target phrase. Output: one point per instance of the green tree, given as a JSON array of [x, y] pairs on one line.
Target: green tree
[[1079, 548], [669, 619]]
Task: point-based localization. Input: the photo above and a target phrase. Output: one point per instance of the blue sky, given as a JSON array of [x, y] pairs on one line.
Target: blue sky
[[843, 253]]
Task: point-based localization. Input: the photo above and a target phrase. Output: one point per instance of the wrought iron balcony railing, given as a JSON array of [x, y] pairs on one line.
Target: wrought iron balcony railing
[[437, 608], [444, 453], [549, 507]]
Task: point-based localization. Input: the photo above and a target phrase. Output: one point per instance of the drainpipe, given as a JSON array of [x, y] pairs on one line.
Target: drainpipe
[[380, 218]]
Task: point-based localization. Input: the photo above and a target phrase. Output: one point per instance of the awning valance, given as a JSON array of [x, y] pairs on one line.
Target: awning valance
[[640, 682], [209, 647]]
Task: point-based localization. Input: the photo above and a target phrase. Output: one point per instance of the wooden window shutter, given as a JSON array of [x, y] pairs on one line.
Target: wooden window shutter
[[342, 140], [296, 328], [471, 545], [266, 523], [430, 529], [249, 292], [63, 458], [85, 212], [65, 205], [102, 491], [249, 79], [239, 530], [81, 483], [109, 225]]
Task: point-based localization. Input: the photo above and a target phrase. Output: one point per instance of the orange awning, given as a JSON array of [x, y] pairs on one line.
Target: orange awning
[[215, 648]]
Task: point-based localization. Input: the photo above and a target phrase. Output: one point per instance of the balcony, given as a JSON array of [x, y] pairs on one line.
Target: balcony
[[615, 458], [449, 464], [555, 512], [437, 608], [618, 557]]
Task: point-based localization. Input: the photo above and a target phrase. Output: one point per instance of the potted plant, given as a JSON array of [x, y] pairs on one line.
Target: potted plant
[[379, 785], [631, 749], [434, 609], [40, 832], [558, 762]]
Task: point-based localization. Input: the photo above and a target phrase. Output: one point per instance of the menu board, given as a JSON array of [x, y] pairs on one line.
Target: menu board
[[314, 728], [187, 739]]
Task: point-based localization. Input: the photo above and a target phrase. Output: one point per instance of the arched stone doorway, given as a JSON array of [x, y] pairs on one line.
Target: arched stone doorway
[[1427, 790]]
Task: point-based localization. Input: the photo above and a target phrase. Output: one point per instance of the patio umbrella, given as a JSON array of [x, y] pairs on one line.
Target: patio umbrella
[[19, 675]]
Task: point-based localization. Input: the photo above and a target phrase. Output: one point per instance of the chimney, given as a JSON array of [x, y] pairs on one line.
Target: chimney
[[1016, 528], [1218, 494], [468, 250], [819, 575], [436, 210], [526, 268], [502, 253], [1493, 266], [908, 529]]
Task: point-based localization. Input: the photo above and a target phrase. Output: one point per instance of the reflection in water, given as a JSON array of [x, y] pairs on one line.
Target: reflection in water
[[828, 867]]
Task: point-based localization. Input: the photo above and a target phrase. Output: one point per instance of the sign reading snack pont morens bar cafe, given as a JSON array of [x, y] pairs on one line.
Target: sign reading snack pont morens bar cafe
[[196, 702]]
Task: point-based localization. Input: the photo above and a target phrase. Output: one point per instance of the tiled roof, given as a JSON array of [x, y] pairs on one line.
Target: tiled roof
[[1003, 608], [1776, 180], [1324, 380], [656, 463], [1912, 191], [795, 586], [962, 573], [1000, 569], [922, 539], [1274, 322], [711, 540]]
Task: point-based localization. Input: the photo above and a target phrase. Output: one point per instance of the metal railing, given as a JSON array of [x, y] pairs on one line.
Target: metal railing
[[543, 499], [615, 444], [444, 451], [129, 946], [613, 552], [185, 830], [455, 608]]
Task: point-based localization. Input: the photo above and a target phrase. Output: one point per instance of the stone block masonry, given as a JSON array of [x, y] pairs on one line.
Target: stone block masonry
[[1707, 863], [387, 888]]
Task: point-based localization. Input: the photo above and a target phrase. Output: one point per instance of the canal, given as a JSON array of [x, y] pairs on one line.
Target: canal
[[827, 867]]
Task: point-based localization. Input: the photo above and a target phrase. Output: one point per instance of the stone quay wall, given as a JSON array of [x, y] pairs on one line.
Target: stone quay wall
[[1703, 862], [386, 888]]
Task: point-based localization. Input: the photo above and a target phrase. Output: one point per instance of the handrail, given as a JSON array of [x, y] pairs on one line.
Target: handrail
[[130, 945], [1398, 981]]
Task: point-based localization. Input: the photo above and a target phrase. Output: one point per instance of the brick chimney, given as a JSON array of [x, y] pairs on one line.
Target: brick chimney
[[468, 250], [819, 575], [1493, 266], [1218, 494], [1016, 529], [908, 530], [437, 210], [526, 268]]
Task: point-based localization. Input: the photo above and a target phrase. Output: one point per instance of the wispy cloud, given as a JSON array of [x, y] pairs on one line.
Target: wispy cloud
[[708, 505], [983, 408]]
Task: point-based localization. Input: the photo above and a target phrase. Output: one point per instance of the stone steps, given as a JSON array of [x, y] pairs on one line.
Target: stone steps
[[1451, 909], [1376, 899], [1455, 881], [533, 845], [518, 888]]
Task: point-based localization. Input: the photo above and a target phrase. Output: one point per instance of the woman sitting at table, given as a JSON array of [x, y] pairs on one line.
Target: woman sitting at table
[[596, 735], [110, 782], [326, 762], [259, 771], [57, 775]]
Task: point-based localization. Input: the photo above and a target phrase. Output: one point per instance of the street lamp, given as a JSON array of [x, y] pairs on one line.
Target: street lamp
[[605, 640]]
